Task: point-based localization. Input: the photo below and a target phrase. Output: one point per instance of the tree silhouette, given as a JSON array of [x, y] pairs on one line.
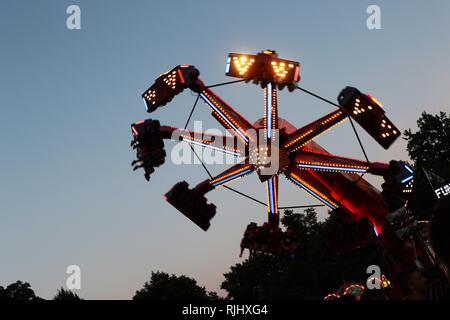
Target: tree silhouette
[[17, 291], [429, 148], [64, 294], [312, 272], [163, 286], [251, 278]]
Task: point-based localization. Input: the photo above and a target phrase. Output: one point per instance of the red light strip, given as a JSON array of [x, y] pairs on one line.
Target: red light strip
[[297, 71], [374, 100], [181, 76]]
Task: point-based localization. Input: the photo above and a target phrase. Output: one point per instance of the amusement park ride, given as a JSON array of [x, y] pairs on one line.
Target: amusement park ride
[[331, 179], [272, 146]]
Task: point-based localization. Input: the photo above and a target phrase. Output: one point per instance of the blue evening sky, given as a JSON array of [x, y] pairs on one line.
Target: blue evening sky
[[67, 192]]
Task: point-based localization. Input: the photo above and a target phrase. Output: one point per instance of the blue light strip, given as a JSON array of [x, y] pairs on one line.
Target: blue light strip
[[212, 147], [312, 193], [411, 176], [409, 169], [145, 102], [271, 193], [237, 175], [228, 65], [312, 166], [375, 230], [223, 116], [269, 111], [407, 179]]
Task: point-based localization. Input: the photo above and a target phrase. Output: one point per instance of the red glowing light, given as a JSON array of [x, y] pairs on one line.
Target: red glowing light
[[181, 76], [297, 71], [374, 100]]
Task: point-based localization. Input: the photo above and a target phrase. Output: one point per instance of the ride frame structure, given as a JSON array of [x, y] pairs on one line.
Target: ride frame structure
[[272, 146]]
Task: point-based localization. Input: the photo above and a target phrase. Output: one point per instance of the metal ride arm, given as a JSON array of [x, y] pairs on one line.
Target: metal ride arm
[[397, 171], [224, 113], [271, 135], [350, 192], [337, 176], [148, 141], [308, 159], [235, 172], [306, 181], [305, 134], [171, 83], [225, 144]]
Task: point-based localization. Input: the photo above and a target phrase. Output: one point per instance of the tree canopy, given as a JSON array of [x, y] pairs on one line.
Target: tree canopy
[[429, 147], [64, 294], [336, 250], [163, 286], [311, 273], [17, 291]]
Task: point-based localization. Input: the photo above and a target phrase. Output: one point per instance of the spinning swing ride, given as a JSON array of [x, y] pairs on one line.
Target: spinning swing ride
[[272, 142]]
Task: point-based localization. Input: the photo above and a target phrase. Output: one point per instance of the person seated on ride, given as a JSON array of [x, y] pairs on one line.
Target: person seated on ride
[[275, 239], [258, 242], [440, 240], [249, 238], [264, 237], [287, 243], [413, 284], [439, 232]]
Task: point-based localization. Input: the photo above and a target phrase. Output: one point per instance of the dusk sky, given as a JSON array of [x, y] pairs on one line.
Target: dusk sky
[[68, 195]]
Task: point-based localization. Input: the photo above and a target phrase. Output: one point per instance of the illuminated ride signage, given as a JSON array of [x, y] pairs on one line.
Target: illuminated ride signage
[[264, 67], [369, 114], [443, 191], [168, 85]]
